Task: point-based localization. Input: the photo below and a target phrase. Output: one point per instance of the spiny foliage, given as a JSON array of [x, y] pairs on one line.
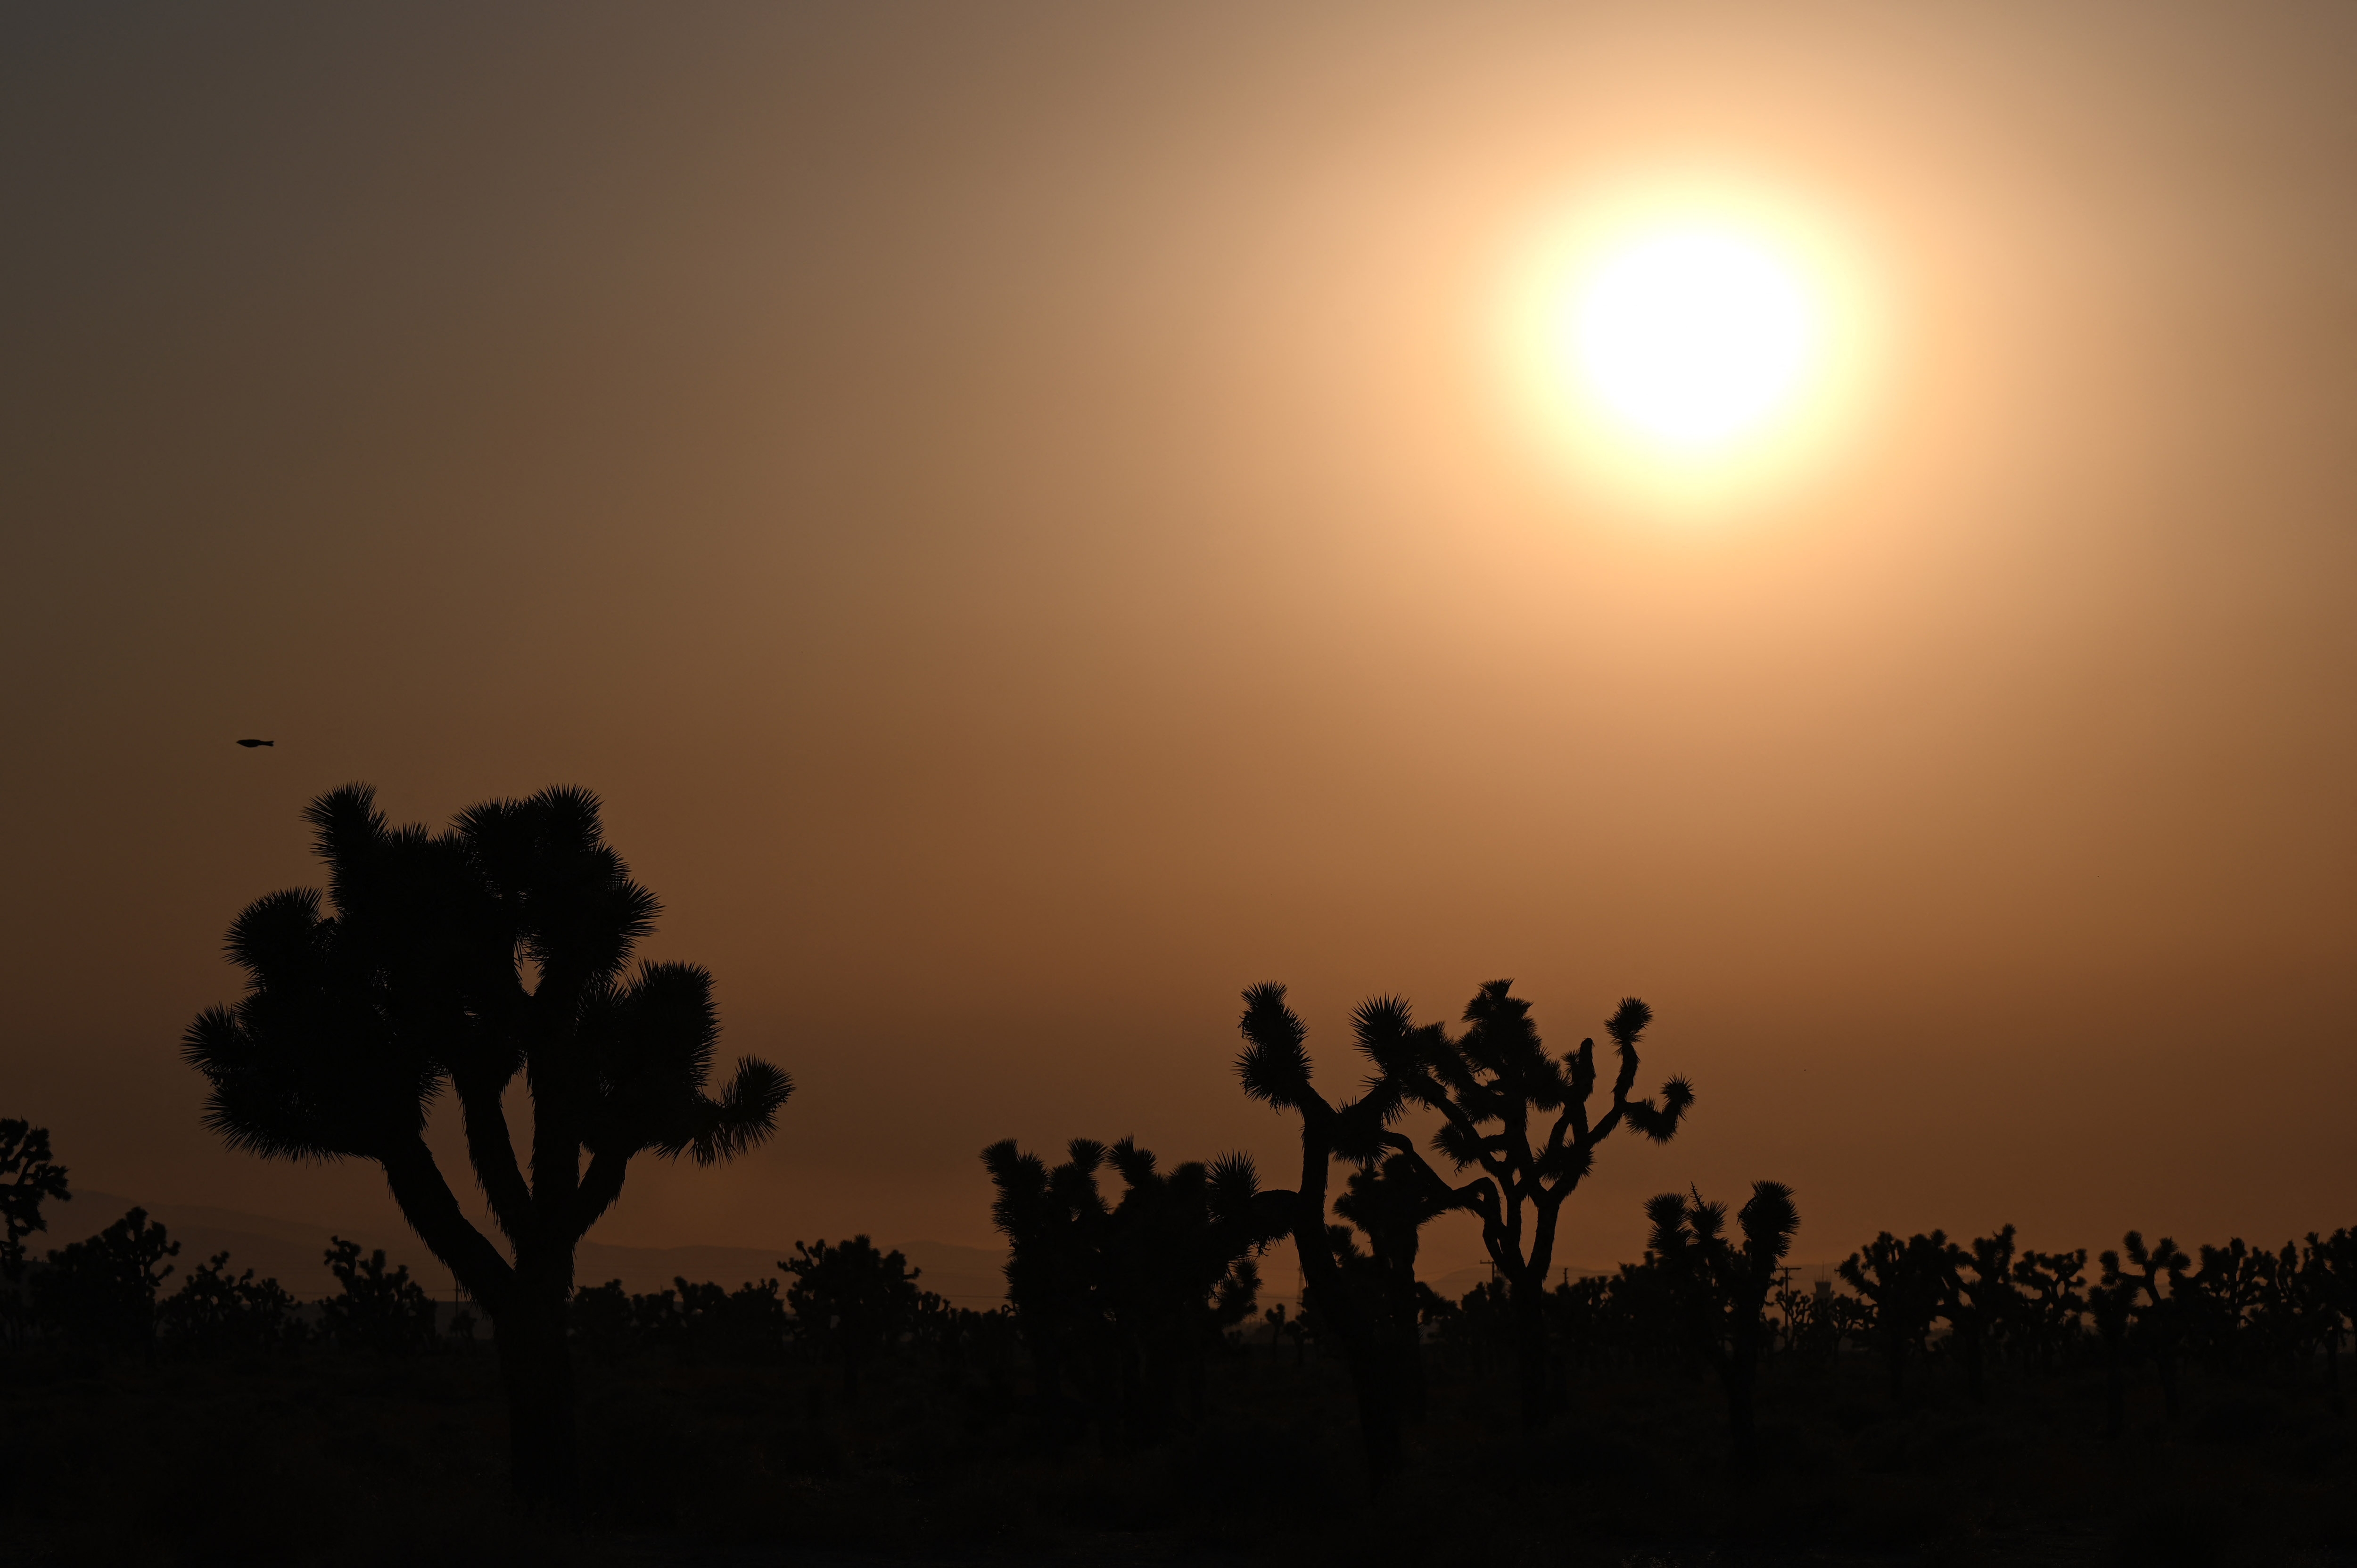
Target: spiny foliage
[[1719, 1286], [1519, 1116], [354, 1019], [1122, 1299]]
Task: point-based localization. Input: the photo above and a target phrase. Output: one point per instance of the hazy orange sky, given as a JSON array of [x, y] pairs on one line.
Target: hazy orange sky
[[1010, 506]]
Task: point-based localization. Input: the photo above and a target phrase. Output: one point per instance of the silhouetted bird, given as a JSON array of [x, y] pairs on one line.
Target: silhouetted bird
[[250, 744]]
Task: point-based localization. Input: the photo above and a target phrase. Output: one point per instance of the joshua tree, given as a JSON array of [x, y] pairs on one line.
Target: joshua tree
[[2051, 1300], [2328, 1273], [215, 1310], [378, 1309], [1274, 1068], [851, 1298], [1721, 1287], [1390, 1203], [1125, 1299], [2111, 1303], [1522, 1116], [2221, 1297], [1051, 1221], [28, 1178], [1905, 1281], [101, 1291], [458, 960], [1981, 1305], [2159, 1315]]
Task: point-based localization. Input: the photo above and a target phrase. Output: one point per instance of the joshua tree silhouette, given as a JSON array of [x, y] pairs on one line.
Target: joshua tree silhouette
[[1906, 1284], [1982, 1305], [2158, 1316], [2328, 1295], [1124, 1299], [502, 946], [1721, 1288], [31, 1179], [379, 1310], [1390, 1203], [1274, 1068], [101, 1292], [215, 1311], [2050, 1302], [851, 1298], [1522, 1117]]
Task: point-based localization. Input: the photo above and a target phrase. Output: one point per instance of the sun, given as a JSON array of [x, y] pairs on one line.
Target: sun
[[1693, 347], [1691, 338]]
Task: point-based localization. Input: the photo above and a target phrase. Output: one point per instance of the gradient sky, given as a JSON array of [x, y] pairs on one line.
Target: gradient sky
[[1011, 508]]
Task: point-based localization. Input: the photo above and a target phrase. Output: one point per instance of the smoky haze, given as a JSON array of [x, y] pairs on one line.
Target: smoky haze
[[1010, 509]]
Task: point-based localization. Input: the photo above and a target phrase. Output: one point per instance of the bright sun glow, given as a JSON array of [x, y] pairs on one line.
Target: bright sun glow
[[1688, 348], [1692, 337]]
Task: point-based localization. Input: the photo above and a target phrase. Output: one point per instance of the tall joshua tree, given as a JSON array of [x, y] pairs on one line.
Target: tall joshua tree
[[1522, 1117], [1722, 1286], [1274, 1068], [458, 960]]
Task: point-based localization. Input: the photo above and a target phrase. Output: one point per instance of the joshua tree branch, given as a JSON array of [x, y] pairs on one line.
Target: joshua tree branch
[[492, 1152], [1478, 1197], [599, 1188], [1464, 1123], [426, 1202]]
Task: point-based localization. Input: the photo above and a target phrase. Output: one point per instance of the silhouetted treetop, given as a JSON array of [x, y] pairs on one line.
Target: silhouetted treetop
[[1519, 1116], [459, 959], [32, 1179]]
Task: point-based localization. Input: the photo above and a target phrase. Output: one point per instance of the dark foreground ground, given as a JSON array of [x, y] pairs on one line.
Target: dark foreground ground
[[320, 1457]]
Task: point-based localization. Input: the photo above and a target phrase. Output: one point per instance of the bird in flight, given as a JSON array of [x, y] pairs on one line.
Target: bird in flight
[[250, 744]]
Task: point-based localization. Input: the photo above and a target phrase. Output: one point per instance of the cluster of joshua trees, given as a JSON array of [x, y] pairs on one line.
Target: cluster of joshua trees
[[503, 948]]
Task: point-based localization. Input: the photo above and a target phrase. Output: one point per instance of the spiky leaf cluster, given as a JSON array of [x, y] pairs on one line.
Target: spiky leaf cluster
[[502, 945]]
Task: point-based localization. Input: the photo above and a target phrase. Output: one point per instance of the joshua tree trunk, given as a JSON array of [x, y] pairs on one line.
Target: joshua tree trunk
[[1527, 1305], [1275, 1068], [1345, 1315], [1379, 1420], [1738, 1374], [1407, 1340], [536, 1374]]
